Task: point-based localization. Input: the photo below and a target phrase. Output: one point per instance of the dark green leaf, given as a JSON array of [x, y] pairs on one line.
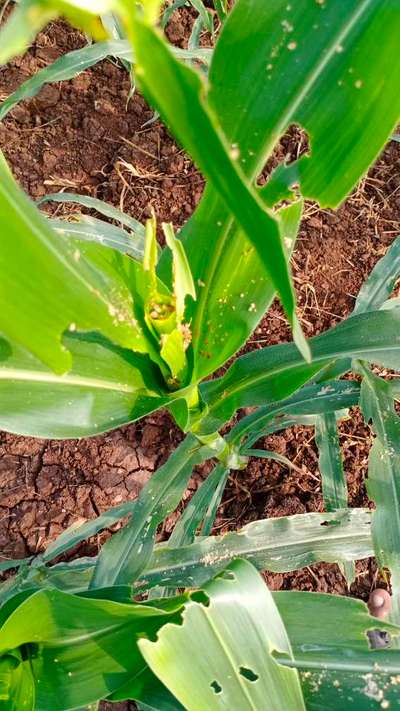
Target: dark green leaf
[[81, 650], [310, 400], [76, 534], [334, 485], [271, 374]]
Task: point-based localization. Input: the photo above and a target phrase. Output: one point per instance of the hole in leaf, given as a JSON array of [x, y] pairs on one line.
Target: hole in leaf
[[227, 575], [217, 688], [201, 597], [378, 639], [292, 146], [248, 674]]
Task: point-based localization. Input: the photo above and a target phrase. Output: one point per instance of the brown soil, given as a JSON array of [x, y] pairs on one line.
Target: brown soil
[[85, 136]]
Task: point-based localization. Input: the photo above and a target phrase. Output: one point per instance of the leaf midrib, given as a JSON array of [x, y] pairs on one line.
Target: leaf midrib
[[67, 379]]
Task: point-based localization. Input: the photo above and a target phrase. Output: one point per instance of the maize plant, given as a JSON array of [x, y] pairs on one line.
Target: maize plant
[[99, 327]]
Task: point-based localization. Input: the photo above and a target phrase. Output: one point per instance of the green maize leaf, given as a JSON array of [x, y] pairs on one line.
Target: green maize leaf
[[172, 352], [253, 110], [90, 229], [276, 544], [210, 516], [17, 685], [125, 555], [113, 213], [76, 534], [221, 7], [177, 93], [196, 510], [73, 63], [337, 668], [372, 295], [72, 577], [396, 137], [334, 395], [195, 34], [231, 282], [383, 483], [269, 454], [324, 645], [223, 654], [334, 485], [22, 27], [200, 510], [273, 373], [9, 564], [204, 15], [107, 387], [81, 285], [381, 282], [30, 16], [378, 406], [81, 650], [310, 63], [280, 545]]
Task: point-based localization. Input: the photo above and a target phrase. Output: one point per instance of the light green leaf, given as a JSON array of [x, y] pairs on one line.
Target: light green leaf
[[173, 353], [49, 285], [30, 16], [276, 544], [309, 63], [222, 655], [17, 685], [182, 276], [106, 387]]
